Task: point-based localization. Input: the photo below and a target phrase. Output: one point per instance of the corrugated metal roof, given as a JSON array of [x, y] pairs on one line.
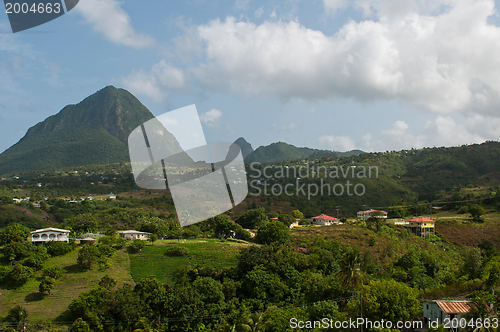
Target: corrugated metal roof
[[454, 307]]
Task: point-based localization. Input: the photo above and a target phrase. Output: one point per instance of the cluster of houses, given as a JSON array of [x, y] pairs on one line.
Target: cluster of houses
[[43, 235]]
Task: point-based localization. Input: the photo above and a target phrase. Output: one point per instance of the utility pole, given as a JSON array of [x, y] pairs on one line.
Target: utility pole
[[337, 207], [361, 307], [364, 214]]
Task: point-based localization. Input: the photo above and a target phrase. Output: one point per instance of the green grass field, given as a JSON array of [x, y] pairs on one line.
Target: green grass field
[[73, 282], [205, 252]]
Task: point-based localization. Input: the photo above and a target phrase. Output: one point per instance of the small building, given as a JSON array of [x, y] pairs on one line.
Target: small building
[[324, 220], [43, 235], [252, 233], [37, 205], [111, 196], [442, 309], [292, 225], [88, 240], [134, 235], [421, 226], [365, 215], [400, 222], [295, 223]]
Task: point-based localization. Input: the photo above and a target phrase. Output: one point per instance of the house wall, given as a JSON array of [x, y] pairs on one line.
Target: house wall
[[49, 236]]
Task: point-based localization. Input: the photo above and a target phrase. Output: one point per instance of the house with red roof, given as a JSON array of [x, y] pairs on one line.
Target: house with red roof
[[365, 215], [421, 226], [324, 220]]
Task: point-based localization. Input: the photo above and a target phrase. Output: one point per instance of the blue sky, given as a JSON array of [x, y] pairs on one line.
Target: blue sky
[[332, 74]]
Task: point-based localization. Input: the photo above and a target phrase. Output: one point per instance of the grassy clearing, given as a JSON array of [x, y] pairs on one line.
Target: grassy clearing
[[204, 252], [73, 282]]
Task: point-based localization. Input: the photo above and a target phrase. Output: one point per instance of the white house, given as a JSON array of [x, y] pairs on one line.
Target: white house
[[324, 220], [372, 213], [43, 235], [295, 223], [441, 309], [134, 235]]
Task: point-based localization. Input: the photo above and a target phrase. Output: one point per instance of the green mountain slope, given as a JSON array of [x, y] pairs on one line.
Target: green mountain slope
[[94, 131], [280, 151]]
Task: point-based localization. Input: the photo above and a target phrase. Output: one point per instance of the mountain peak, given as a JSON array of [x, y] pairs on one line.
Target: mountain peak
[[94, 131], [246, 148]]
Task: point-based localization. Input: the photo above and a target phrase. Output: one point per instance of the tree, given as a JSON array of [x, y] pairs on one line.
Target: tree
[[20, 274], [137, 245], [17, 315], [88, 255], [476, 211], [46, 285], [273, 231], [286, 219], [14, 233], [472, 261], [107, 282], [480, 311], [297, 214], [224, 226], [79, 325], [252, 218], [153, 238], [351, 274], [53, 272], [388, 300], [492, 275]]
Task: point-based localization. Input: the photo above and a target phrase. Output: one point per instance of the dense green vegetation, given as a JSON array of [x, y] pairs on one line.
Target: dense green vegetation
[[280, 152], [200, 278]]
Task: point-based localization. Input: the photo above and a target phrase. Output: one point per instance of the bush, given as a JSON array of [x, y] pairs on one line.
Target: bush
[[137, 245], [52, 271], [46, 285], [37, 257], [20, 274], [58, 248], [176, 251]]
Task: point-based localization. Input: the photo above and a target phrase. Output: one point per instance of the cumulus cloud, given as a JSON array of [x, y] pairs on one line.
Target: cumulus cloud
[[291, 126], [108, 18], [211, 118], [337, 143], [157, 82], [442, 57], [441, 131]]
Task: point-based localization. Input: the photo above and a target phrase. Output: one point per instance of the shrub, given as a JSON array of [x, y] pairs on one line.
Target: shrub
[[20, 274], [176, 251], [53, 272], [57, 248], [137, 245]]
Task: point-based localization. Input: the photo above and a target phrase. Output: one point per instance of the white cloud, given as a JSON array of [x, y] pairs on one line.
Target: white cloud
[[155, 83], [445, 62], [108, 18], [442, 131], [291, 126], [211, 118], [259, 12], [241, 4], [332, 6], [337, 143]]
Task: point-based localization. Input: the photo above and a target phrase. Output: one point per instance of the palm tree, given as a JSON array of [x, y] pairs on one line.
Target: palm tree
[[17, 315], [351, 274], [480, 311], [252, 323]]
